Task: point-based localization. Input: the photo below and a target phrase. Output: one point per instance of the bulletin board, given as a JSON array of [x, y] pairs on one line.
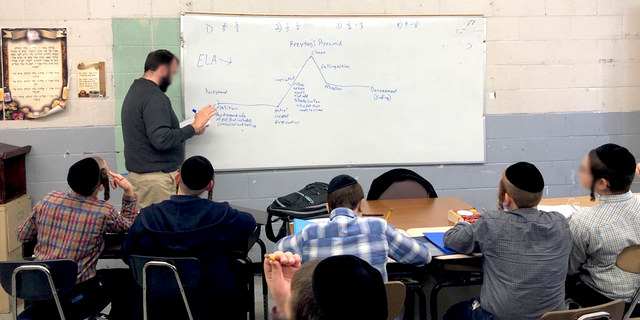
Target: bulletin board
[[34, 73]]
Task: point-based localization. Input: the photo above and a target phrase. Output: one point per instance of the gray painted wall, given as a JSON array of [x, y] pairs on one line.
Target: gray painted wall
[[556, 143]]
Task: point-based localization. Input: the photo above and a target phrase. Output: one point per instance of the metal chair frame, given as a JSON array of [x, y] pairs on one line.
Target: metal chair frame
[[14, 288], [173, 268]]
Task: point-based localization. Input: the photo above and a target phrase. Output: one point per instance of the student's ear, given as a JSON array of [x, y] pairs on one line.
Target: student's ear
[[177, 178], [507, 200], [328, 208], [360, 205], [602, 184], [210, 186]]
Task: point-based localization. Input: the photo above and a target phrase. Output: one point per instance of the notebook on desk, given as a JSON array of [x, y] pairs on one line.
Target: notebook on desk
[[299, 224], [437, 239]]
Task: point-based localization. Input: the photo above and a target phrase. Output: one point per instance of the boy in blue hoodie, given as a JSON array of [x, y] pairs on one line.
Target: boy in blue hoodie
[[188, 226]]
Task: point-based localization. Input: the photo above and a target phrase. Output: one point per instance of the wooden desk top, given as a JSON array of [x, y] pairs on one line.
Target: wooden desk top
[[582, 201], [413, 213]]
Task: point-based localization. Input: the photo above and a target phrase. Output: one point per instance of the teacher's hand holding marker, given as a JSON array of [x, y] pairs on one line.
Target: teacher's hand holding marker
[[202, 117]]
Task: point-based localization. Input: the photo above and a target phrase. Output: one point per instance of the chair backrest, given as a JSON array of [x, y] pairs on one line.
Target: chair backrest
[[629, 259], [400, 184], [396, 293], [33, 284], [162, 279], [613, 310]]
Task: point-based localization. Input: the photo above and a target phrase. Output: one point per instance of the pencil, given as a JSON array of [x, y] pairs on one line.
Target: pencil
[[272, 257], [388, 214]]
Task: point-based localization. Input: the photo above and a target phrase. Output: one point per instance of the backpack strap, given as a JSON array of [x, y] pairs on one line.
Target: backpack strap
[[284, 229]]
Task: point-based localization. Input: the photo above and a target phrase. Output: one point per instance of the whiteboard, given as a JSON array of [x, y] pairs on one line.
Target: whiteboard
[[308, 91]]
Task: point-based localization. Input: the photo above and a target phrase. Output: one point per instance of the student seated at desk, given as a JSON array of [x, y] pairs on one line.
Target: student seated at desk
[[601, 232], [525, 252], [72, 226], [188, 226], [370, 239], [336, 288]]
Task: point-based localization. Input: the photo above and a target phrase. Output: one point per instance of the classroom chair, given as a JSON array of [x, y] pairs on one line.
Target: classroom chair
[[400, 184], [613, 310], [166, 276], [396, 293], [629, 260], [40, 280]]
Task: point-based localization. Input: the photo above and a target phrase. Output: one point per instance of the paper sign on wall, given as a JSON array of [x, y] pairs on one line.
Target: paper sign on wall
[[91, 80], [34, 72]]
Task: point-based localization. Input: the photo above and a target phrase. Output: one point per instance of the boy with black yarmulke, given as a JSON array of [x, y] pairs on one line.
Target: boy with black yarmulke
[[601, 232], [71, 225], [525, 252], [189, 226]]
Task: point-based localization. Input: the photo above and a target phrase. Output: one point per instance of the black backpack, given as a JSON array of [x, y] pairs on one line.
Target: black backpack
[[308, 203]]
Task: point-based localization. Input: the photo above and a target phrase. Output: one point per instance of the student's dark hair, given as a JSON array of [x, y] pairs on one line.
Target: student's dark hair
[[616, 182], [104, 178], [347, 197], [157, 58], [522, 198], [303, 301]]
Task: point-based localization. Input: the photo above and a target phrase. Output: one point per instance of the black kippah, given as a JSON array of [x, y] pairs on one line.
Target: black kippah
[[340, 182], [617, 158], [347, 287], [84, 176], [525, 176], [196, 173]]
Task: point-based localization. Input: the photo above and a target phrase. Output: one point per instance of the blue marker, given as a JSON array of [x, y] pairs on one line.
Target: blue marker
[[208, 122]]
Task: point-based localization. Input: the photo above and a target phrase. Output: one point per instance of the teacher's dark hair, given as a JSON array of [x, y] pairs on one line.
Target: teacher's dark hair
[[157, 58]]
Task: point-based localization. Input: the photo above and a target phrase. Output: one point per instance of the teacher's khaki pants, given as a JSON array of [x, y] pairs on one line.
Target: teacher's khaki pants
[[153, 187]]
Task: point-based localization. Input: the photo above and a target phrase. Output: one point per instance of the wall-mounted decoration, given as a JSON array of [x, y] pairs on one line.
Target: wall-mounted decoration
[[34, 72], [91, 80]]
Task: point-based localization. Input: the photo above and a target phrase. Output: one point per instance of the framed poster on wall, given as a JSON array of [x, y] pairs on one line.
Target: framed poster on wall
[[34, 72]]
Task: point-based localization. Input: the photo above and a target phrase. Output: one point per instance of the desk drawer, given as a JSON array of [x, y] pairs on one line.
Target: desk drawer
[[15, 213]]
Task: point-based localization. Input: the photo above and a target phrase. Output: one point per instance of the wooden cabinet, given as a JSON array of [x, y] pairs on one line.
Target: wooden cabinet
[[12, 215], [13, 176]]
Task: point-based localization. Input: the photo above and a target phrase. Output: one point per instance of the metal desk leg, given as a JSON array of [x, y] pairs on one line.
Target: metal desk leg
[[422, 304], [409, 305], [434, 301], [265, 289]]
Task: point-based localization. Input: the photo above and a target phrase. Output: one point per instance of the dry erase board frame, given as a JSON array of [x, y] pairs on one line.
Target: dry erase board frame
[[186, 114]]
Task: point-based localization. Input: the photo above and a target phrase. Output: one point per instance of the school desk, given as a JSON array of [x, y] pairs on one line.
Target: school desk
[[415, 213]]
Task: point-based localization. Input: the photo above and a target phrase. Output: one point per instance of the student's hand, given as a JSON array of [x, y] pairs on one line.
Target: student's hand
[[278, 273], [203, 116], [118, 180], [638, 170]]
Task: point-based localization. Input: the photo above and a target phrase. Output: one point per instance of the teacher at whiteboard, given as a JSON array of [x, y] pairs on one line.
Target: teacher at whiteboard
[[153, 139]]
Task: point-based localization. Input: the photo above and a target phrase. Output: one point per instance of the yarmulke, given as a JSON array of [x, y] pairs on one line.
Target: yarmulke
[[525, 176], [617, 158], [347, 287], [84, 176], [196, 173], [340, 182]]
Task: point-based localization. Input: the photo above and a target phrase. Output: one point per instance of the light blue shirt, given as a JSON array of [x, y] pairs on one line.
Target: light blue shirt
[[370, 239]]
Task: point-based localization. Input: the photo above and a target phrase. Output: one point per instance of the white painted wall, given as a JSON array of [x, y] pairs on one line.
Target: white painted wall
[[542, 55]]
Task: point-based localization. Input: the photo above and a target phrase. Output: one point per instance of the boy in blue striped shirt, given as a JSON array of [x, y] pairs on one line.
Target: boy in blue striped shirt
[[346, 233]]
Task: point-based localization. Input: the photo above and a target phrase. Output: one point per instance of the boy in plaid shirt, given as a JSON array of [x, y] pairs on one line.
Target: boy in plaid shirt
[[72, 226]]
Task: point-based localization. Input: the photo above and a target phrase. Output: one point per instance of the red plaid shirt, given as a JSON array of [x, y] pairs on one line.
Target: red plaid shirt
[[68, 226]]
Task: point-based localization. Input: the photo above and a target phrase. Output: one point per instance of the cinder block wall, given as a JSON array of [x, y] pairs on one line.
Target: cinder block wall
[[550, 65]]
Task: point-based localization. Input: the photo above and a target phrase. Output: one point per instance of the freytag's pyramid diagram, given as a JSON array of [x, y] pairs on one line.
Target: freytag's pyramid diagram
[[283, 83]]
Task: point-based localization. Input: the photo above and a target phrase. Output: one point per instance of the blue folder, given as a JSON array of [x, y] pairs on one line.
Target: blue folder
[[299, 224], [437, 238]]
